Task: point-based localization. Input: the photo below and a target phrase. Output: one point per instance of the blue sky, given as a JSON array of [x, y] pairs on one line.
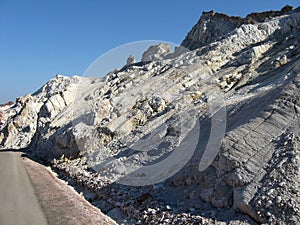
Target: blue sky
[[39, 39]]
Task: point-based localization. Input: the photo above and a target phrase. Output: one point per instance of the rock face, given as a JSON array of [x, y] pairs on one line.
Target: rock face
[[212, 26], [213, 127], [32, 113], [209, 28], [157, 52], [130, 60], [2, 117]]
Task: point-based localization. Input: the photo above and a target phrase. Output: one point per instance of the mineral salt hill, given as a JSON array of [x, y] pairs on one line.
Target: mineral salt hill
[[203, 135]]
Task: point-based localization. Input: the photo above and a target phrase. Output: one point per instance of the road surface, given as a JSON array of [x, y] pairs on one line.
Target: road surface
[[18, 202], [31, 194]]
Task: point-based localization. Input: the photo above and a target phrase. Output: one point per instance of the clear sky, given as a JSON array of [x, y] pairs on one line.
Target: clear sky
[[39, 39]]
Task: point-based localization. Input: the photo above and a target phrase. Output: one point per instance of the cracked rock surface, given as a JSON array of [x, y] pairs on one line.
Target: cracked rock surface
[[200, 135]]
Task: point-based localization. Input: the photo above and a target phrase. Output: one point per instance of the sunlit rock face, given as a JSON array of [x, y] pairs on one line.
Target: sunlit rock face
[[157, 52], [170, 105], [213, 26]]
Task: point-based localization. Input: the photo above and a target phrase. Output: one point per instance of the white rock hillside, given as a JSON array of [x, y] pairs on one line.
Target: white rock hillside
[[210, 134]]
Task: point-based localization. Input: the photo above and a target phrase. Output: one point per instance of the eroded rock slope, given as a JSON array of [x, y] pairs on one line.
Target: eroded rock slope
[[215, 125]]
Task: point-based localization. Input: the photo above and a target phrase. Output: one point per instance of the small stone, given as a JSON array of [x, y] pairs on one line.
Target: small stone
[[258, 203], [152, 211], [188, 181], [157, 103], [120, 204], [268, 214], [278, 199], [268, 204], [270, 192]]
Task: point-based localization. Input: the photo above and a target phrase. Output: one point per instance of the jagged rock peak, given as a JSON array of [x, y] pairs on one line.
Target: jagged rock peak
[[130, 60], [157, 52], [212, 26]]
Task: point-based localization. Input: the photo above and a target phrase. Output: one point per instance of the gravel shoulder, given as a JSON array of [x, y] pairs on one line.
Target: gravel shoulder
[[60, 203]]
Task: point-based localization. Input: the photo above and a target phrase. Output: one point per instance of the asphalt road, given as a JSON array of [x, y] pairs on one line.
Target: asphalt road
[[31, 194], [18, 202]]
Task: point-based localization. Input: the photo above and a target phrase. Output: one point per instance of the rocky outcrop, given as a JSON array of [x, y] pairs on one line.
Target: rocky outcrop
[[217, 127], [31, 113], [210, 27], [130, 60], [2, 117], [265, 16], [156, 52], [213, 26]]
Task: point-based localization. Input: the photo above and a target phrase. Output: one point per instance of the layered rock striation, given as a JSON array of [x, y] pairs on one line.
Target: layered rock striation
[[213, 126]]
